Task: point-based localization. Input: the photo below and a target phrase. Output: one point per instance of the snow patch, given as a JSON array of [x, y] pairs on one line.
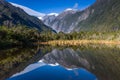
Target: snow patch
[[56, 14], [41, 18], [28, 10], [69, 9]]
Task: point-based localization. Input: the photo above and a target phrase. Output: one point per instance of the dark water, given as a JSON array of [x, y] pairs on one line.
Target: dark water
[[85, 62]]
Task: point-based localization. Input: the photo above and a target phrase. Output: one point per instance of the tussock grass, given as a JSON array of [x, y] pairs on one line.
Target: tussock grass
[[79, 42]]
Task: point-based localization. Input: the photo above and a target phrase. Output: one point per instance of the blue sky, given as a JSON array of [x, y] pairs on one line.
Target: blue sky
[[56, 6]]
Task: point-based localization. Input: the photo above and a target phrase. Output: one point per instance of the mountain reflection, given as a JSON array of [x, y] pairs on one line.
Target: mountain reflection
[[43, 71], [97, 60], [103, 61], [67, 57]]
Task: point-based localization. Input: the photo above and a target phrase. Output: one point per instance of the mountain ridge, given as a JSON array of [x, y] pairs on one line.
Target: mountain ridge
[[103, 15], [59, 20], [13, 16], [29, 11]]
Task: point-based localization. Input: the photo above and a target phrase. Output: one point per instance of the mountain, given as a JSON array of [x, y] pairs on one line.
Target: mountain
[[60, 22], [29, 11], [49, 18], [13, 16], [103, 15]]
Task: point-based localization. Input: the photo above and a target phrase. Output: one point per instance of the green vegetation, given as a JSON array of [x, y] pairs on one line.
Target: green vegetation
[[13, 16], [16, 59], [104, 16], [27, 36], [104, 61], [82, 36], [17, 36]]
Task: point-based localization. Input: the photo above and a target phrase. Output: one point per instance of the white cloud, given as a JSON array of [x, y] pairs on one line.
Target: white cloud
[[75, 6]]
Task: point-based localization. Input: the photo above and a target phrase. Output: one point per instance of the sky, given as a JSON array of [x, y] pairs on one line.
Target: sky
[[56, 6]]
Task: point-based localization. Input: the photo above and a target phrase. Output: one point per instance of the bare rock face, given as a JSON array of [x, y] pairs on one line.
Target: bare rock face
[[48, 19], [101, 1], [60, 22], [66, 21], [98, 2], [2, 0]]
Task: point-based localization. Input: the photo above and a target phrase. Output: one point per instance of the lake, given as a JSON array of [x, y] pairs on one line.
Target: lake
[[83, 62]]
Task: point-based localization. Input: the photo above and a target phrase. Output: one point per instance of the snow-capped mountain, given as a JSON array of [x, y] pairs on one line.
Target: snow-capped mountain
[[70, 9], [47, 19], [54, 20], [59, 22], [29, 11], [11, 16], [94, 17], [52, 14], [34, 13]]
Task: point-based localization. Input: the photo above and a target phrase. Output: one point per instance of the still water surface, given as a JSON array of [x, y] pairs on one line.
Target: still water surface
[[85, 62]]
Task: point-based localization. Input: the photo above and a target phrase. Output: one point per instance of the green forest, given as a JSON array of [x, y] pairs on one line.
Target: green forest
[[20, 35]]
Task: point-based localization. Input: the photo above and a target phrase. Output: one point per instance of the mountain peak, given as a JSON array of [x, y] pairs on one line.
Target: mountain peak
[[55, 14], [70, 9]]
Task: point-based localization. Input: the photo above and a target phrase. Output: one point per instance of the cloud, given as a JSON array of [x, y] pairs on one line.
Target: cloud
[[75, 6]]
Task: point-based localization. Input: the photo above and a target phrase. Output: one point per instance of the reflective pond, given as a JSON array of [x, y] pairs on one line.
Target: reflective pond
[[43, 71], [84, 62]]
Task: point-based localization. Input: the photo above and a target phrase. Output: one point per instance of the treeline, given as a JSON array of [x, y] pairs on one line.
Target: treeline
[[27, 36], [17, 36], [91, 35]]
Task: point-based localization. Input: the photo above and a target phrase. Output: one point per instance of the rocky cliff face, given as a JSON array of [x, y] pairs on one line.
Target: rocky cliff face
[[68, 20], [103, 15], [60, 22], [13, 16], [48, 19]]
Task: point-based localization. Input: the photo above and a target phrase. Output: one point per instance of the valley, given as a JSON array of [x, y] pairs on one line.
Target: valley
[[78, 42]]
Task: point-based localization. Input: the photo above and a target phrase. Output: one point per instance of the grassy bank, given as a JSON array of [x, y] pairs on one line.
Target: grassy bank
[[79, 42], [83, 35]]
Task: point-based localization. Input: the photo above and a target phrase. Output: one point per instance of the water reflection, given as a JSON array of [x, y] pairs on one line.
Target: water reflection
[[100, 60], [43, 71], [16, 59], [103, 61], [13, 60], [66, 57]]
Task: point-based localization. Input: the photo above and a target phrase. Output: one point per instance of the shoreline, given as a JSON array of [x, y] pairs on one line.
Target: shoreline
[[79, 42]]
